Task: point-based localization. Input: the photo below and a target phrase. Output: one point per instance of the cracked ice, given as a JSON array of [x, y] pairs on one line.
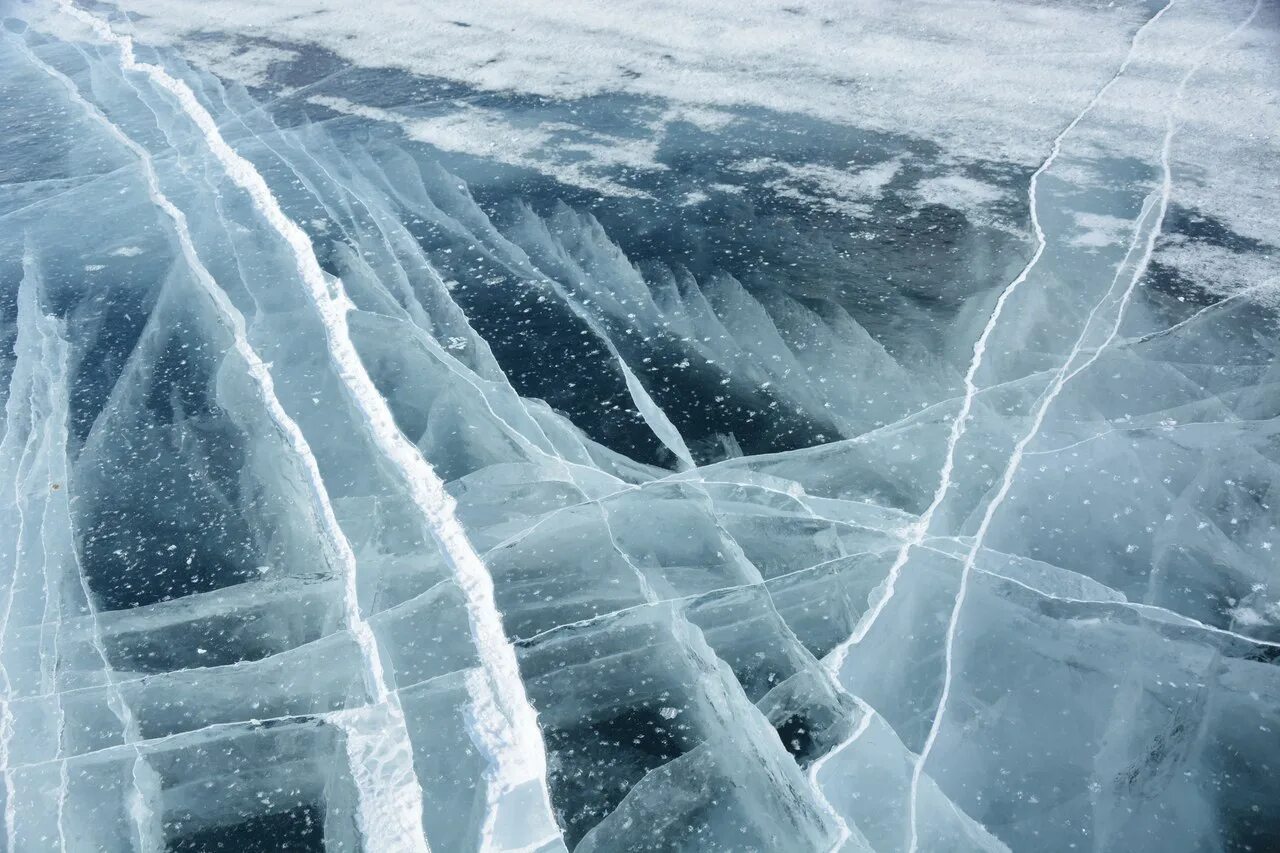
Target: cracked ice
[[619, 426]]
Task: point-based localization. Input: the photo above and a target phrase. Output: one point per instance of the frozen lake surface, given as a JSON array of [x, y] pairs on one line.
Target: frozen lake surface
[[640, 425]]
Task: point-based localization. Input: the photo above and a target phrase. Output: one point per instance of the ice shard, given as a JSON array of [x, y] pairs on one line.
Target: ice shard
[[637, 427]]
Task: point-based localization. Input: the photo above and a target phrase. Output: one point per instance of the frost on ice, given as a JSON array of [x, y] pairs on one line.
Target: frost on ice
[[399, 456]]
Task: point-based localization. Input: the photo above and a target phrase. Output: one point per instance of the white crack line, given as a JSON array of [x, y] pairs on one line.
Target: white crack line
[[1015, 459]]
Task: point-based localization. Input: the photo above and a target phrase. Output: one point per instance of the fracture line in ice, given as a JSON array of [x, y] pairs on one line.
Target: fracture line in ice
[[6, 709], [380, 759], [31, 319], [688, 476], [650, 411], [203, 734], [451, 363], [843, 832], [84, 182], [906, 421], [407, 822], [421, 333], [420, 326], [836, 659], [734, 693], [465, 374], [758, 579], [811, 513], [1148, 611], [1155, 611], [503, 721], [648, 407], [1063, 376], [650, 595], [868, 714], [1162, 428], [259, 371], [602, 617], [1259, 287], [520, 535], [568, 467], [54, 350], [288, 93]]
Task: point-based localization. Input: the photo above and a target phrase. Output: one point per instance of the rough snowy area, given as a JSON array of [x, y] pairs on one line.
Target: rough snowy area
[[640, 425]]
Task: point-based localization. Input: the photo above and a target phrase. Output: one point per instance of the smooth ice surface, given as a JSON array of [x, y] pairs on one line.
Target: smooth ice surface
[[639, 426]]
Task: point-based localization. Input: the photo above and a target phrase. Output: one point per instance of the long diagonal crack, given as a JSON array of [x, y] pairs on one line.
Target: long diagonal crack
[[503, 721], [1146, 231], [835, 659], [405, 828]]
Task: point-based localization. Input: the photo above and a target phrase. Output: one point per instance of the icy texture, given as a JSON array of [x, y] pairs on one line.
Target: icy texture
[[367, 484]]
